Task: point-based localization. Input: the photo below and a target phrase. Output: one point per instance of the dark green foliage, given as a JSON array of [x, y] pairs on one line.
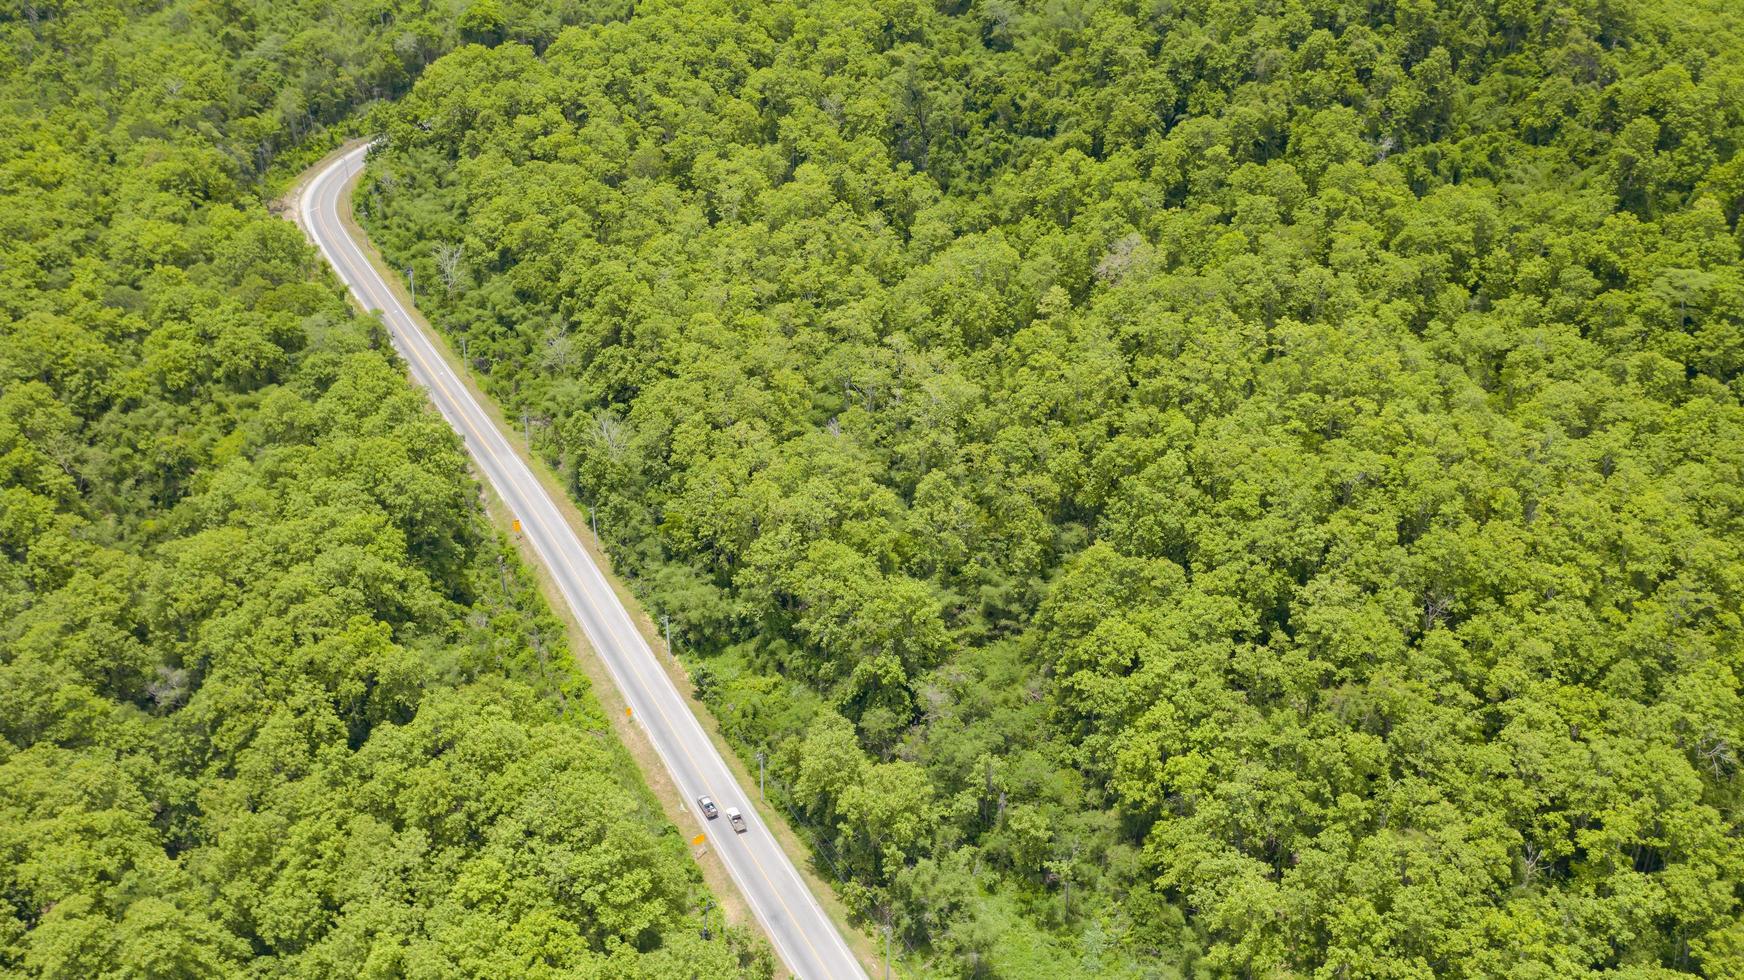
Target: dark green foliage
[[1250, 481], [273, 699]]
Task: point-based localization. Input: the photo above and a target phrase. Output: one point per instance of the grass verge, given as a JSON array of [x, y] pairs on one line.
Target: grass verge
[[635, 740]]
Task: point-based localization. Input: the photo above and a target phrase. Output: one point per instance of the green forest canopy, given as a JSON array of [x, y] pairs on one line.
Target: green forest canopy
[[274, 700], [1252, 488]]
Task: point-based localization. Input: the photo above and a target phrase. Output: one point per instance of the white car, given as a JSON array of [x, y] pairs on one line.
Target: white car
[[736, 818]]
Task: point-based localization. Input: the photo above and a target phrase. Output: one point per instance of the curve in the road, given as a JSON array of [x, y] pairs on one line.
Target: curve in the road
[[802, 933]]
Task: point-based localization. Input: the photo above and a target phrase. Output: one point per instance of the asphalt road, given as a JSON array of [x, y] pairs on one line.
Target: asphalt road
[[803, 935]]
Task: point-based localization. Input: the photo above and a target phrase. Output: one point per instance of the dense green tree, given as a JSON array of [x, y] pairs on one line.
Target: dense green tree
[[1199, 486], [273, 698]]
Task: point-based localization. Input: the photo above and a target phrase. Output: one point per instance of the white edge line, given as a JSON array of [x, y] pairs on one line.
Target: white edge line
[[306, 208]]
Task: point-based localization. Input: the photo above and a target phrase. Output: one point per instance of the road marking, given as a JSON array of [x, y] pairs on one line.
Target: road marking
[[515, 473]]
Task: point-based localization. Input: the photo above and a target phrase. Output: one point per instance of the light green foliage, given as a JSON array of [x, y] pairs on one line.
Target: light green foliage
[[273, 698], [1257, 484]]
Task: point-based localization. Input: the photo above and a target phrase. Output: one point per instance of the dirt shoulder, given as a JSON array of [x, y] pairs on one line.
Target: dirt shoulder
[[641, 750]]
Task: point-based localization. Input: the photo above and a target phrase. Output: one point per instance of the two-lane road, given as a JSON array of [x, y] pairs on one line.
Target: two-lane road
[[803, 934]]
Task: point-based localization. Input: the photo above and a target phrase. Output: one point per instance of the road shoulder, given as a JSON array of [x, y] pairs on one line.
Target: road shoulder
[[653, 772]]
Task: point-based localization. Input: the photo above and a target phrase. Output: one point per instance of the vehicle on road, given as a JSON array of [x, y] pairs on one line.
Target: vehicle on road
[[709, 809], [736, 818]]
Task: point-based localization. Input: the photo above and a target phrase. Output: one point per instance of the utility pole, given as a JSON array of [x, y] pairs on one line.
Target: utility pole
[[666, 623], [412, 282], [527, 428], [706, 906], [887, 951], [463, 348], [593, 516], [761, 758]]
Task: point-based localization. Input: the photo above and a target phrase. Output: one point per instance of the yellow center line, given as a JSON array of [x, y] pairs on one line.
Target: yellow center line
[[436, 380]]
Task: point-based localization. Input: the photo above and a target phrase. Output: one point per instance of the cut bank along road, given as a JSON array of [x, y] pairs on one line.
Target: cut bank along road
[[803, 935]]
